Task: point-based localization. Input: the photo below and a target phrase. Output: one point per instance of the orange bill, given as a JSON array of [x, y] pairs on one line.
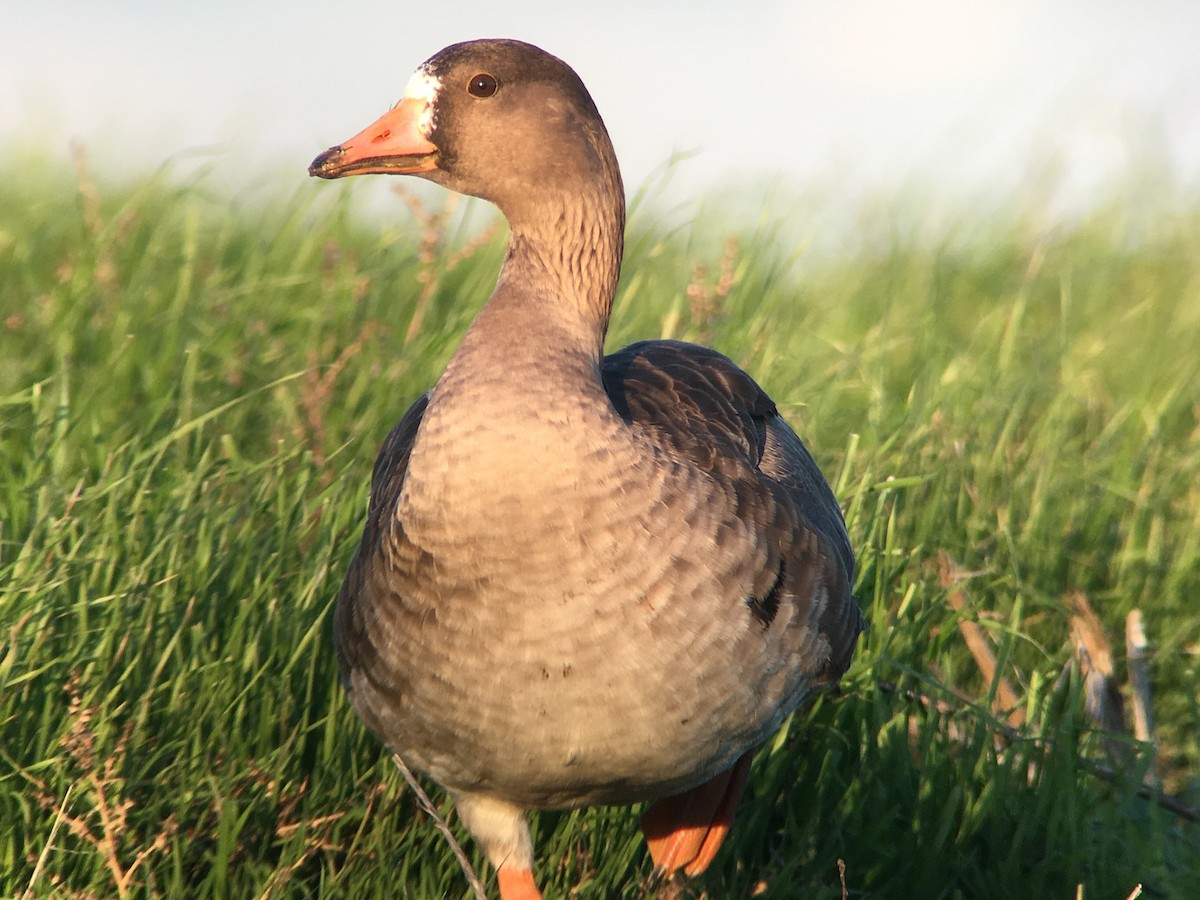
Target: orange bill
[[393, 145]]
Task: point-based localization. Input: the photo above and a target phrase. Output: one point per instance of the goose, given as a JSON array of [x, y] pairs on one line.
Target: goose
[[583, 579]]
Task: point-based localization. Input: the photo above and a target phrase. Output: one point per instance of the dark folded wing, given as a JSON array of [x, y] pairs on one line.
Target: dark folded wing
[[699, 405]]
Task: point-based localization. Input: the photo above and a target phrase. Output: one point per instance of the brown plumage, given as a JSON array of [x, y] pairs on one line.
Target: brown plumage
[[583, 578]]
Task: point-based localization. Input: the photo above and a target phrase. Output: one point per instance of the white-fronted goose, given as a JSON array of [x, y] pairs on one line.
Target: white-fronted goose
[[584, 579]]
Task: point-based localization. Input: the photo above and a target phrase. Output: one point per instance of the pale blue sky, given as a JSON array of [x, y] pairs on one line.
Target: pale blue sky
[[858, 93]]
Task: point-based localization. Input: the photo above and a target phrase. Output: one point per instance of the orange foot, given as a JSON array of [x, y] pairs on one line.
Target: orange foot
[[517, 884], [684, 831]]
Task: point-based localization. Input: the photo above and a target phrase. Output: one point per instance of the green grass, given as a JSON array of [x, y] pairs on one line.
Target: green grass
[[191, 395]]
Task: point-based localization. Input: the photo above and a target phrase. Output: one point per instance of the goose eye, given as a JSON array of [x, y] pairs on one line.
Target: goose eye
[[482, 85]]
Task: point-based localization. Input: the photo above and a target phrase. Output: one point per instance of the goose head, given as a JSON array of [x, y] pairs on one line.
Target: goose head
[[497, 119]]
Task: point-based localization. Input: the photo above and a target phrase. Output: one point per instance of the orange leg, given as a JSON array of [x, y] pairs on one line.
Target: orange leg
[[684, 831], [517, 884]]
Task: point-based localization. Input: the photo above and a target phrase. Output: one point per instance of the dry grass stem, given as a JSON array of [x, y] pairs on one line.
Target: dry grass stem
[[1137, 658], [317, 392], [1173, 804], [1006, 705], [106, 790], [44, 855], [705, 300], [1102, 697], [426, 804]]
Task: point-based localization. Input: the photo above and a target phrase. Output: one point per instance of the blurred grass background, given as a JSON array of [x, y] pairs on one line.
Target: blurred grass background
[[192, 391]]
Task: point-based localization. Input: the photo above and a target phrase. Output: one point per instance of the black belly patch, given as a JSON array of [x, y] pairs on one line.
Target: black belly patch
[[764, 608]]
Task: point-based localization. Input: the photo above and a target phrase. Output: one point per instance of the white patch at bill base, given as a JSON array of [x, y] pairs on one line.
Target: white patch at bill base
[[423, 87]]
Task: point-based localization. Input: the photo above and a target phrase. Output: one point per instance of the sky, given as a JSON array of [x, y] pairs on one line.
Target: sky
[[963, 96]]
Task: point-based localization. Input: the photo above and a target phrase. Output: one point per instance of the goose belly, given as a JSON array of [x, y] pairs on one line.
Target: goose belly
[[570, 649]]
